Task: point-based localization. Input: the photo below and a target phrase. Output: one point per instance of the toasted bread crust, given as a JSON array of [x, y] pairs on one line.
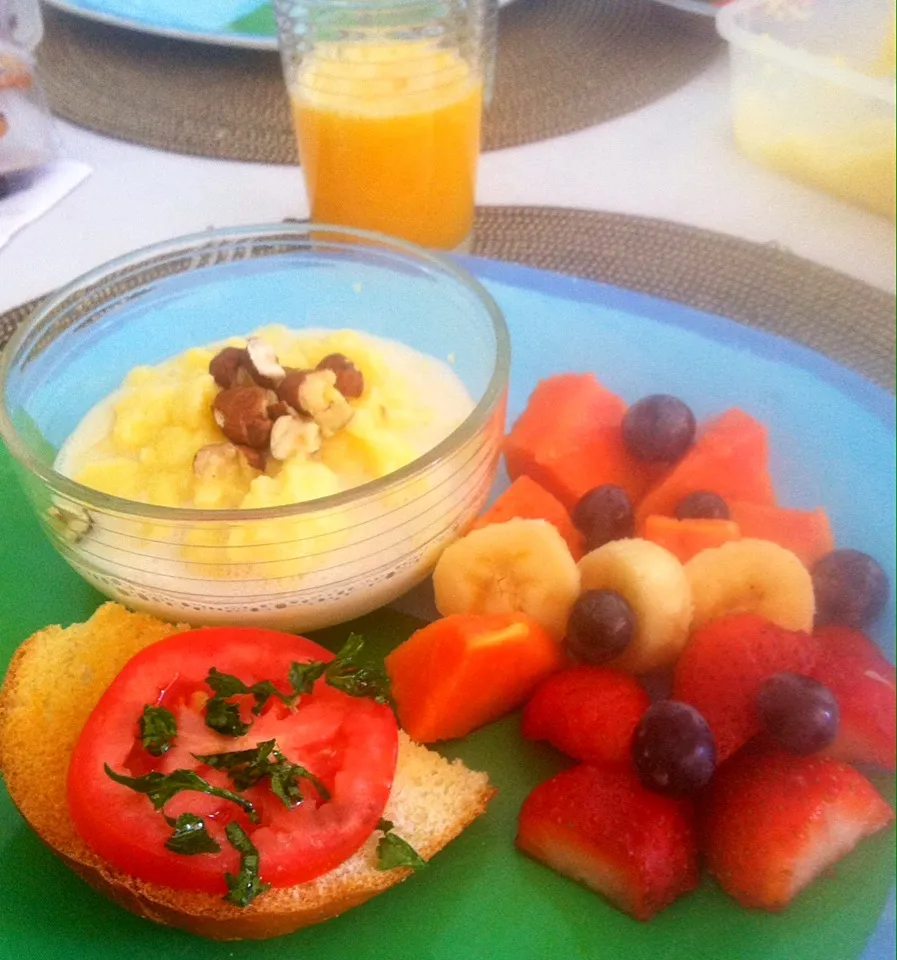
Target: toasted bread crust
[[432, 800]]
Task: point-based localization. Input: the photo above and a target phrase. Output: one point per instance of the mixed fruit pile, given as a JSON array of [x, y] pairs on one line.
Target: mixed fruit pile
[[634, 546]]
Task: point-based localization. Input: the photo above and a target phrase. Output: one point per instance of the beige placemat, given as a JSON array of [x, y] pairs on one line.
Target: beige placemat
[[759, 285], [562, 65]]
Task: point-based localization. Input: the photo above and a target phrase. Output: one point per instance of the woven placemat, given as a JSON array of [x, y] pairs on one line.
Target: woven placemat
[[756, 284], [562, 65]]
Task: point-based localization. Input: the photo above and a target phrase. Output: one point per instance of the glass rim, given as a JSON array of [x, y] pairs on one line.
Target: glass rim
[[467, 430]]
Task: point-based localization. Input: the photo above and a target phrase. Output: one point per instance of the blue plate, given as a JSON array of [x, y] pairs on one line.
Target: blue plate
[[832, 437]]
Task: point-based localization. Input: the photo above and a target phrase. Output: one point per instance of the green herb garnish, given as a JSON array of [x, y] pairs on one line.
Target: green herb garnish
[[227, 685], [158, 729], [161, 787], [302, 676], [247, 884], [247, 767], [346, 673], [393, 851], [190, 836], [224, 717]]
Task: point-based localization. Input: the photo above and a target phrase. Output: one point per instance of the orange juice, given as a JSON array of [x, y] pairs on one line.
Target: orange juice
[[389, 136]]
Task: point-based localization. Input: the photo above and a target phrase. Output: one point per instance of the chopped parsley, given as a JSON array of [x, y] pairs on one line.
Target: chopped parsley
[[246, 885], [393, 851], [158, 728], [190, 836], [161, 787], [247, 767]]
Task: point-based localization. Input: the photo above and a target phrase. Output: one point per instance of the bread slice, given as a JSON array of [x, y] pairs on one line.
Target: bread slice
[[54, 681]]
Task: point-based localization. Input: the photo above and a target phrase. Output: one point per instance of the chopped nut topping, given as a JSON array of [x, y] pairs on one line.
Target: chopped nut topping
[[349, 379], [225, 366], [211, 460], [291, 436], [288, 388], [242, 415], [319, 398], [261, 362]]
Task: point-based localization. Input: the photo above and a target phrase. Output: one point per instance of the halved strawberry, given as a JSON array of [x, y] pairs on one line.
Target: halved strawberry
[[774, 821], [864, 683], [589, 713], [721, 668], [600, 826]]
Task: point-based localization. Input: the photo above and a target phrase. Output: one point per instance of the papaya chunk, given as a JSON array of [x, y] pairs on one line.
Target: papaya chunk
[[685, 538], [730, 458], [466, 670], [568, 439], [806, 533], [526, 500]]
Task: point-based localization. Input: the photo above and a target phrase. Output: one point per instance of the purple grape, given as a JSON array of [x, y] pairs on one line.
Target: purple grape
[[702, 505], [658, 428], [604, 514], [801, 713], [673, 749], [851, 589], [600, 628]]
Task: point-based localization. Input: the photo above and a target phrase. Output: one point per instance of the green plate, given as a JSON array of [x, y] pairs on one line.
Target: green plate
[[478, 899]]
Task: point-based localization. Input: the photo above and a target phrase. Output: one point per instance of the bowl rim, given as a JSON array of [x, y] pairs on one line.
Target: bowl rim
[[361, 240]]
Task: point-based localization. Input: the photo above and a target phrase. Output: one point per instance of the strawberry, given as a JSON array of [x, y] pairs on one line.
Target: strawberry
[[599, 825], [721, 668], [774, 821], [863, 682], [588, 712]]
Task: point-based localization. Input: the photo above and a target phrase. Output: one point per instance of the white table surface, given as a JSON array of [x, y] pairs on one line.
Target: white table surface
[[673, 159]]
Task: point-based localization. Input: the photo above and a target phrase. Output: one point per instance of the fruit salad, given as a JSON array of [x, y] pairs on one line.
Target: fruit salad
[[651, 550]]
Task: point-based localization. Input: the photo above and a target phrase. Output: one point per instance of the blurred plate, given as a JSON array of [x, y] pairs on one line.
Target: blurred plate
[[229, 23]]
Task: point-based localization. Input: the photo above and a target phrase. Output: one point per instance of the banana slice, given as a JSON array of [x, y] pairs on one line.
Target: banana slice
[[751, 576], [653, 582], [521, 566]]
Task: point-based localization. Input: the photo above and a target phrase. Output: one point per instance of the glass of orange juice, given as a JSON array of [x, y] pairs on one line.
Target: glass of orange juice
[[387, 99]]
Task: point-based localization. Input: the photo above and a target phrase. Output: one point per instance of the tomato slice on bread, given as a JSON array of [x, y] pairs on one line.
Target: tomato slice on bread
[[347, 743]]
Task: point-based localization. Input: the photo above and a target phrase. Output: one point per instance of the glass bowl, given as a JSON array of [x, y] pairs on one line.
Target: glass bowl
[[300, 566]]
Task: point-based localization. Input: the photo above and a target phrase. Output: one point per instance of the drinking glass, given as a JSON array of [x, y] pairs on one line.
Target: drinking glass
[[387, 99]]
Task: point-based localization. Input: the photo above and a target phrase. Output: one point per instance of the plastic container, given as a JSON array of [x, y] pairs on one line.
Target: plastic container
[[297, 566], [27, 138], [814, 94]]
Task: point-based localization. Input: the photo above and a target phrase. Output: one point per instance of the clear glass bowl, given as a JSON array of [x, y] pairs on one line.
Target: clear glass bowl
[[301, 566]]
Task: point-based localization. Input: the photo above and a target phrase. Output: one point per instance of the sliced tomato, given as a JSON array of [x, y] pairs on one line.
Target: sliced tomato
[[348, 743]]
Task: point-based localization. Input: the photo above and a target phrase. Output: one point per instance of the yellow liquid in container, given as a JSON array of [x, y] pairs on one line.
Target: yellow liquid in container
[[856, 162], [389, 136]]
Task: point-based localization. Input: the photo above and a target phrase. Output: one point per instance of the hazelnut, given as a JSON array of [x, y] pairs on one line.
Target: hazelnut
[[291, 436], [242, 414], [278, 409], [256, 459], [261, 362], [213, 458], [349, 379], [319, 398], [225, 366], [288, 388]]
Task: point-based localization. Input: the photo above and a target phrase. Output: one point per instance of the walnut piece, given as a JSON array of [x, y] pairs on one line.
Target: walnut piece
[[291, 436], [349, 379], [261, 362], [242, 415]]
